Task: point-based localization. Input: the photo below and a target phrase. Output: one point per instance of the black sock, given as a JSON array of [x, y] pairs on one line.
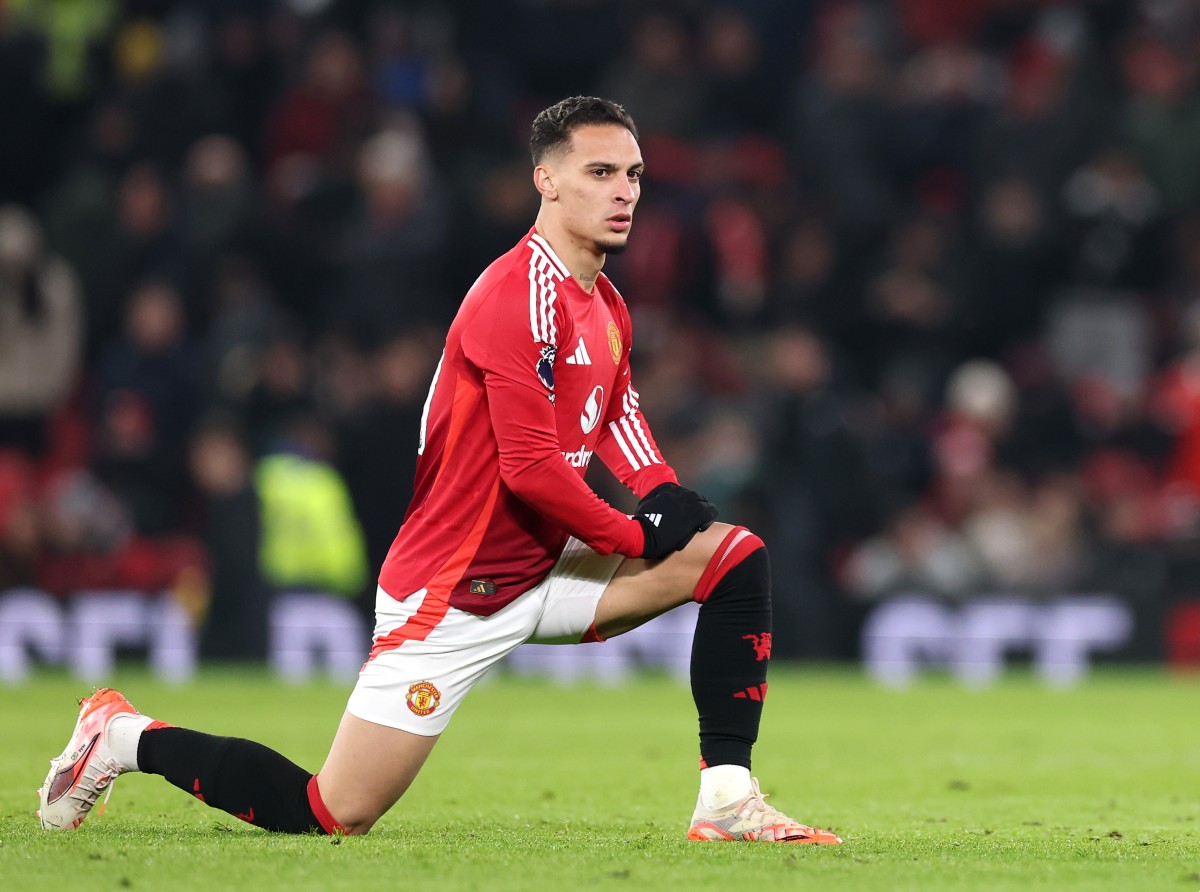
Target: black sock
[[242, 777], [729, 661]]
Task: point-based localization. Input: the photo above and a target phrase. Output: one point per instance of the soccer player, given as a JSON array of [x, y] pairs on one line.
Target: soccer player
[[504, 543]]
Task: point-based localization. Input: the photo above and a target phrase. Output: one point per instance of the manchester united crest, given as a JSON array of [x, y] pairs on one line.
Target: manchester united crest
[[423, 698], [614, 342]]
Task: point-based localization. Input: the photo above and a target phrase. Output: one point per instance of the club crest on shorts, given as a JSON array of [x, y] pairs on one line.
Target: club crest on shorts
[[423, 698], [614, 342]]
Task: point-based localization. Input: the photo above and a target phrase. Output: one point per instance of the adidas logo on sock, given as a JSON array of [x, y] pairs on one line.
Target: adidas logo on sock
[[757, 693], [580, 356]]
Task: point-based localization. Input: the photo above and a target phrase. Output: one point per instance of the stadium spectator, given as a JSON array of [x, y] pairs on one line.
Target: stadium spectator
[[741, 95], [234, 619], [41, 332], [243, 72], [216, 197], [79, 205], [310, 538], [809, 286], [657, 78], [815, 484], [378, 476], [139, 243], [1014, 261], [917, 553], [20, 521], [153, 357], [1162, 116], [839, 120], [323, 116], [280, 387], [396, 239]]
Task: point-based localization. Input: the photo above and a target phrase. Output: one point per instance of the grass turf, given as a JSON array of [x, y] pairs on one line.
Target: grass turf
[[540, 787]]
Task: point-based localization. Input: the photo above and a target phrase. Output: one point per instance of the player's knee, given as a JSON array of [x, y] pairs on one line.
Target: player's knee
[[740, 557], [756, 570], [360, 829], [357, 822], [343, 812]]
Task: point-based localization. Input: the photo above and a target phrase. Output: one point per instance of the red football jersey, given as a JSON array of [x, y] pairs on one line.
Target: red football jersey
[[533, 381]]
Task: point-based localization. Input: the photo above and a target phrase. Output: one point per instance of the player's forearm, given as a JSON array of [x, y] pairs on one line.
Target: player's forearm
[[627, 447], [549, 486], [639, 481]]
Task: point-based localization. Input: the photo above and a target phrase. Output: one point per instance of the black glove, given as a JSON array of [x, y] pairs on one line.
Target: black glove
[[670, 515]]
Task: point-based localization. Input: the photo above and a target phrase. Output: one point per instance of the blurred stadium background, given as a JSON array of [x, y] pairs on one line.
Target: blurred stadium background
[[916, 286]]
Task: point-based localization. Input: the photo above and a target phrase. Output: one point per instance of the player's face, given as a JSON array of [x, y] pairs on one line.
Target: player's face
[[599, 183]]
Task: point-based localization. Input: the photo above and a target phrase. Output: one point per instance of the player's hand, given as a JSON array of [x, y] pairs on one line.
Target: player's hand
[[670, 515]]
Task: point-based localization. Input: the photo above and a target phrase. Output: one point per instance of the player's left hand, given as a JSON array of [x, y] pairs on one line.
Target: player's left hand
[[670, 516]]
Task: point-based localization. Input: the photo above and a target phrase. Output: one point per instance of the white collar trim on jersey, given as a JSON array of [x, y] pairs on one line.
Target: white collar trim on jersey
[[545, 248]]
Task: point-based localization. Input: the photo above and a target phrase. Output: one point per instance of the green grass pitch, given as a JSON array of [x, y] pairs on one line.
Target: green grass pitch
[[542, 787]]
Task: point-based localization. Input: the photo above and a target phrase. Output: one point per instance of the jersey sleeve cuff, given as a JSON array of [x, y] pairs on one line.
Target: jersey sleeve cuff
[[653, 476], [634, 542]]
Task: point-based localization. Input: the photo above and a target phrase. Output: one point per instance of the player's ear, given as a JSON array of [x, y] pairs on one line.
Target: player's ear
[[543, 181]]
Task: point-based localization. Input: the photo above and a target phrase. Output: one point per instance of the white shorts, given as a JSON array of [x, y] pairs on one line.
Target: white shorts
[[442, 651]]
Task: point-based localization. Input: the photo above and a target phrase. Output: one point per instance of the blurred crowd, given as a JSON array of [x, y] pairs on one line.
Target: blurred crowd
[[916, 284]]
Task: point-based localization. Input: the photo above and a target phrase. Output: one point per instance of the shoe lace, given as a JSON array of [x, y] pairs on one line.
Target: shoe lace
[[105, 779], [756, 810]]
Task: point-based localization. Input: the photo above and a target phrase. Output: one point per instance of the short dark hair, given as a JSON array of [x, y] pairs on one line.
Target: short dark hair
[[553, 127]]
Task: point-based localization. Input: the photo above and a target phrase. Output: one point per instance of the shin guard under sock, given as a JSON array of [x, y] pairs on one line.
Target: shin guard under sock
[[244, 778], [731, 649]]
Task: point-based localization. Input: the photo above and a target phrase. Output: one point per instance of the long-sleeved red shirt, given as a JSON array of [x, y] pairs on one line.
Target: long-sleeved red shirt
[[533, 381]]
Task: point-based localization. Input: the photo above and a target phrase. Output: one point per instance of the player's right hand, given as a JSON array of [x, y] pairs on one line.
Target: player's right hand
[[670, 515]]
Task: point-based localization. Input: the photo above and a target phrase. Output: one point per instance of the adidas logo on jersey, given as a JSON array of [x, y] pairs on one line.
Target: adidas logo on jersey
[[580, 356]]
